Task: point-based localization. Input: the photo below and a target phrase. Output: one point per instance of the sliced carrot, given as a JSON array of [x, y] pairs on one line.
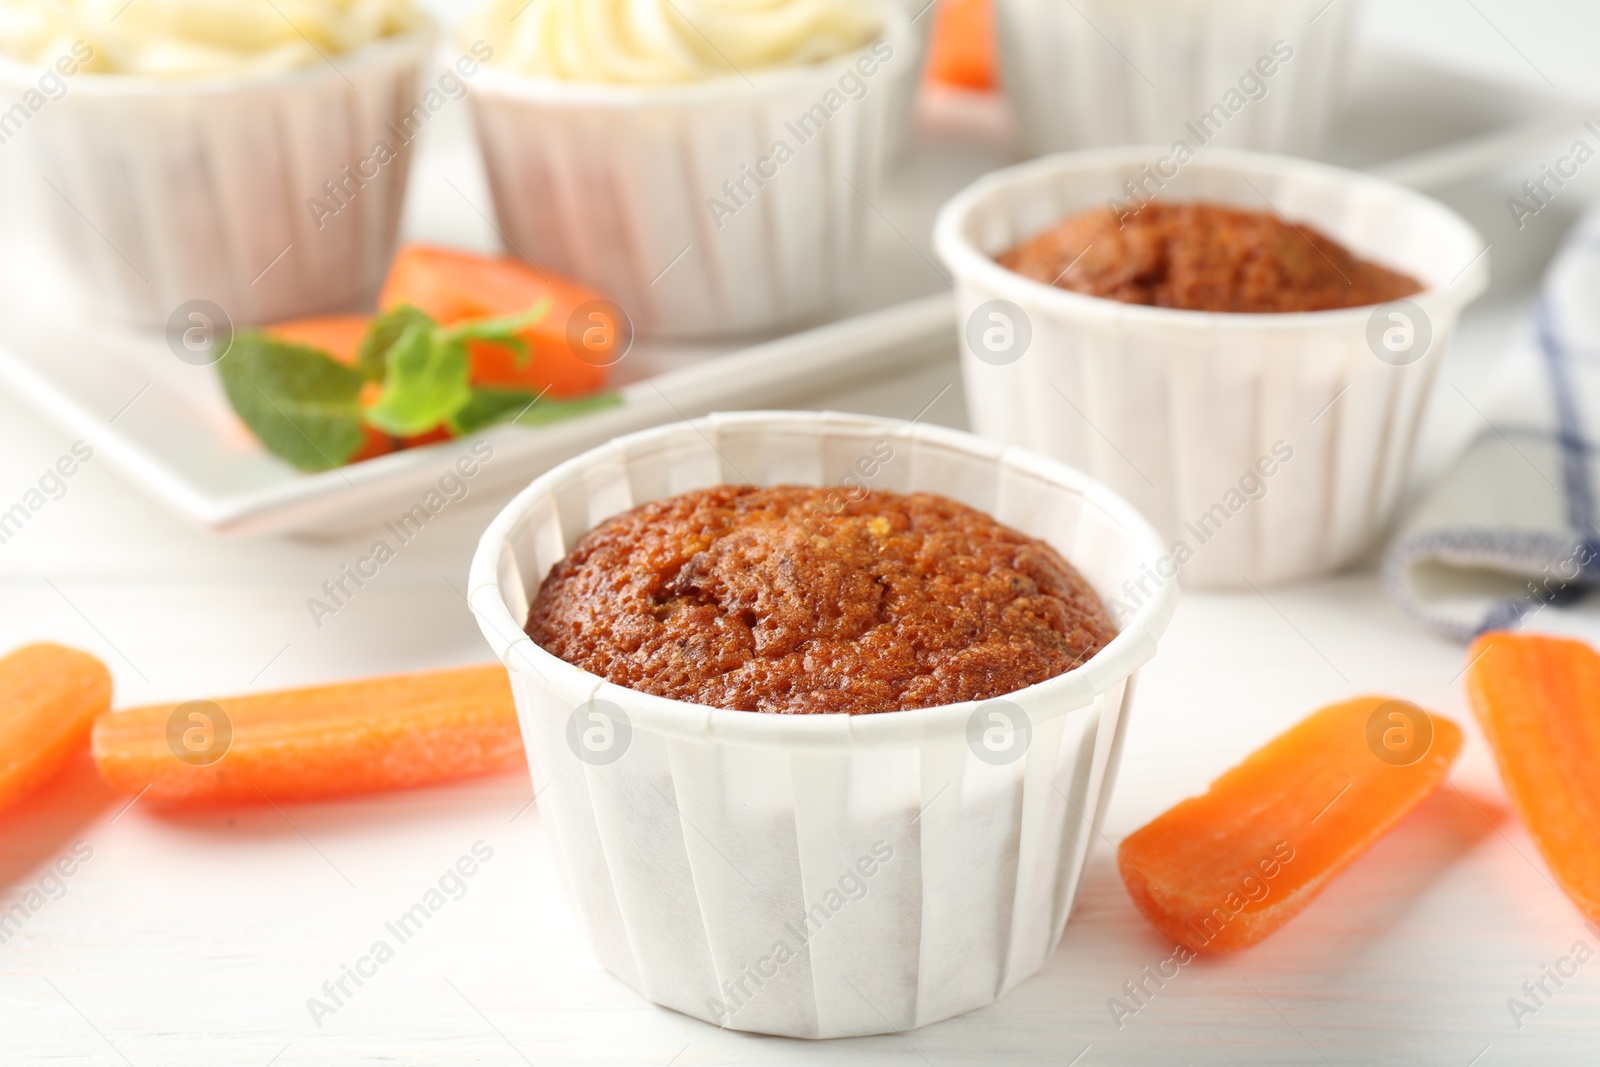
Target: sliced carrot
[[1220, 872], [394, 732], [455, 287], [49, 697], [1538, 701], [962, 50], [338, 335]]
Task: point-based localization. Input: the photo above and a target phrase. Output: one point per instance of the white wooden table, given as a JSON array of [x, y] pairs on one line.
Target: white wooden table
[[198, 939]]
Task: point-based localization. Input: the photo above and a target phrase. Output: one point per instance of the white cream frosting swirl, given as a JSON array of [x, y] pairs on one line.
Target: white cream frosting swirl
[[656, 42], [198, 38]]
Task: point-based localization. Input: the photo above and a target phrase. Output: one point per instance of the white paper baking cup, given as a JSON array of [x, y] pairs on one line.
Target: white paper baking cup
[[619, 185], [1097, 73], [902, 129], [147, 194], [693, 839], [1175, 409]]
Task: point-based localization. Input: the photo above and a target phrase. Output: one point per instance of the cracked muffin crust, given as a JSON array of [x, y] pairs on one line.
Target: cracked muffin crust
[[1205, 257], [803, 600]]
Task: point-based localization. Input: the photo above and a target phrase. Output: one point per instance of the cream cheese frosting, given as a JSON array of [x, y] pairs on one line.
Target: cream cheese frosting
[[654, 42], [198, 38]]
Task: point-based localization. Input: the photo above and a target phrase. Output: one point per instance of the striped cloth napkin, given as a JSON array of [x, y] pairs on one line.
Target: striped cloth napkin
[[1513, 526]]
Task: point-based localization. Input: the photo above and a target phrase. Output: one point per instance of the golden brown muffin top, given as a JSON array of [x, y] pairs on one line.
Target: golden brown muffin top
[[804, 600], [1205, 257]]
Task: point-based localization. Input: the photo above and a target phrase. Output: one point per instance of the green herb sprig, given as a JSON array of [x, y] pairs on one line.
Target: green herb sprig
[[306, 407]]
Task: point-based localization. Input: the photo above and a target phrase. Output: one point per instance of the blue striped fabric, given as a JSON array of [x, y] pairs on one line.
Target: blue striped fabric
[[1512, 529]]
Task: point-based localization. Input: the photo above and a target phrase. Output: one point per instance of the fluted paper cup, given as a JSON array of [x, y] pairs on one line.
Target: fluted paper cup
[[903, 108], [1265, 448], [1259, 74], [678, 202], [147, 194], [820, 875]]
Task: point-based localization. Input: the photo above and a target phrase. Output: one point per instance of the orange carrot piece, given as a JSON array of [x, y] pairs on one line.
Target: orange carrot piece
[[962, 50], [49, 697], [1538, 701], [337, 335], [455, 287], [395, 732], [1220, 872]]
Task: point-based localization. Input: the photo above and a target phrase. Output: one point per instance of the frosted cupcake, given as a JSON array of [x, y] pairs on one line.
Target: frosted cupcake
[[248, 153], [706, 163]]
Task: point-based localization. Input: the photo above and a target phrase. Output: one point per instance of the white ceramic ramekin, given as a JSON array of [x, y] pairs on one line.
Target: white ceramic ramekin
[[943, 847], [1181, 411], [146, 194], [1110, 72], [676, 201]]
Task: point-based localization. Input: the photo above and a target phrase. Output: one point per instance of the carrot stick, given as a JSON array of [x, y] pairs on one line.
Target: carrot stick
[[1538, 701], [455, 287], [395, 732], [1220, 872], [49, 697], [962, 50]]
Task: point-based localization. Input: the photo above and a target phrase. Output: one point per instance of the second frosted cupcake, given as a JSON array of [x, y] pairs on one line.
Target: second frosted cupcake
[[708, 165], [171, 153]]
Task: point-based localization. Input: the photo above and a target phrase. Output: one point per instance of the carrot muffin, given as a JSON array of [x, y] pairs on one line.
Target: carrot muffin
[[1205, 257], [803, 600]]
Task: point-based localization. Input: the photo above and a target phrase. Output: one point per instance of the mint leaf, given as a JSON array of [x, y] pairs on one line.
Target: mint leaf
[[487, 407], [503, 331], [382, 335], [302, 404], [547, 411], [426, 382], [491, 406]]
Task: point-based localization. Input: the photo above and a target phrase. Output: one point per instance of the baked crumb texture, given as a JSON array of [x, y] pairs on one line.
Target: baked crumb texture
[[802, 601], [1204, 257]]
